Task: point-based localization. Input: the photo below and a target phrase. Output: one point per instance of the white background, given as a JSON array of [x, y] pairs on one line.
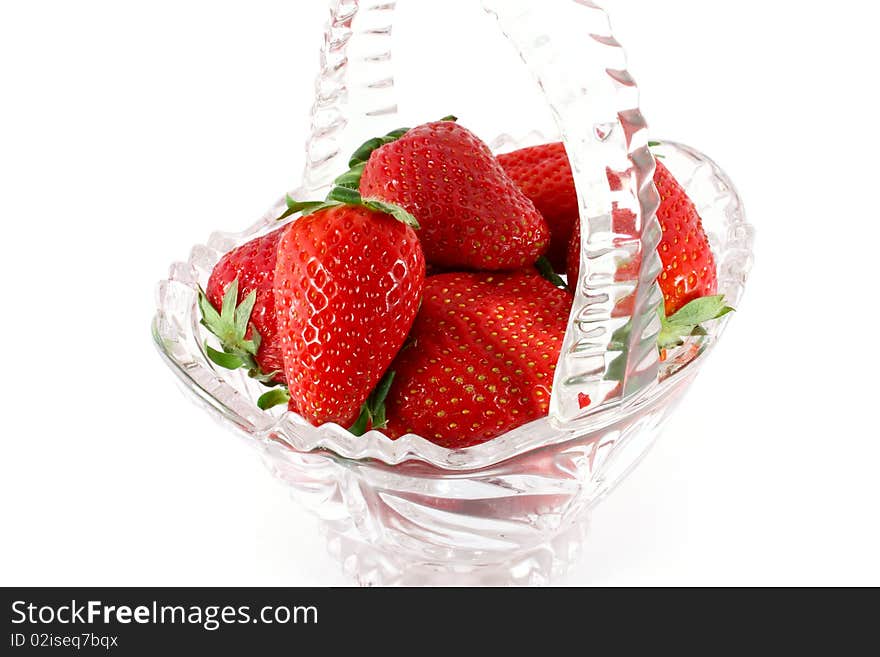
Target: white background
[[131, 130]]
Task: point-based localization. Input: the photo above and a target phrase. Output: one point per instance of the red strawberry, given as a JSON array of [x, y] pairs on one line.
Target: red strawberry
[[472, 214], [480, 359], [348, 281], [252, 265], [688, 264], [543, 173]]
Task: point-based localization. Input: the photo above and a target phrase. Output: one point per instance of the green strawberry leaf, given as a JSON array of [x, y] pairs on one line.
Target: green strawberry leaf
[[243, 313], [701, 310], [379, 419], [395, 211], [223, 359], [307, 207], [380, 394], [546, 270], [362, 154], [294, 207], [230, 326], [359, 428], [346, 195], [339, 196], [274, 397], [210, 316], [688, 320], [351, 179], [227, 308], [267, 379], [324, 205], [372, 413]]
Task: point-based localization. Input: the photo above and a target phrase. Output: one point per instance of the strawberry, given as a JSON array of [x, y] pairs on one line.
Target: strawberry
[[689, 278], [543, 174], [480, 358], [472, 214], [348, 279], [688, 264], [246, 272]]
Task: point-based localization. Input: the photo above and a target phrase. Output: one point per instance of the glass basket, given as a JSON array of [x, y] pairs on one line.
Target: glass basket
[[513, 510]]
